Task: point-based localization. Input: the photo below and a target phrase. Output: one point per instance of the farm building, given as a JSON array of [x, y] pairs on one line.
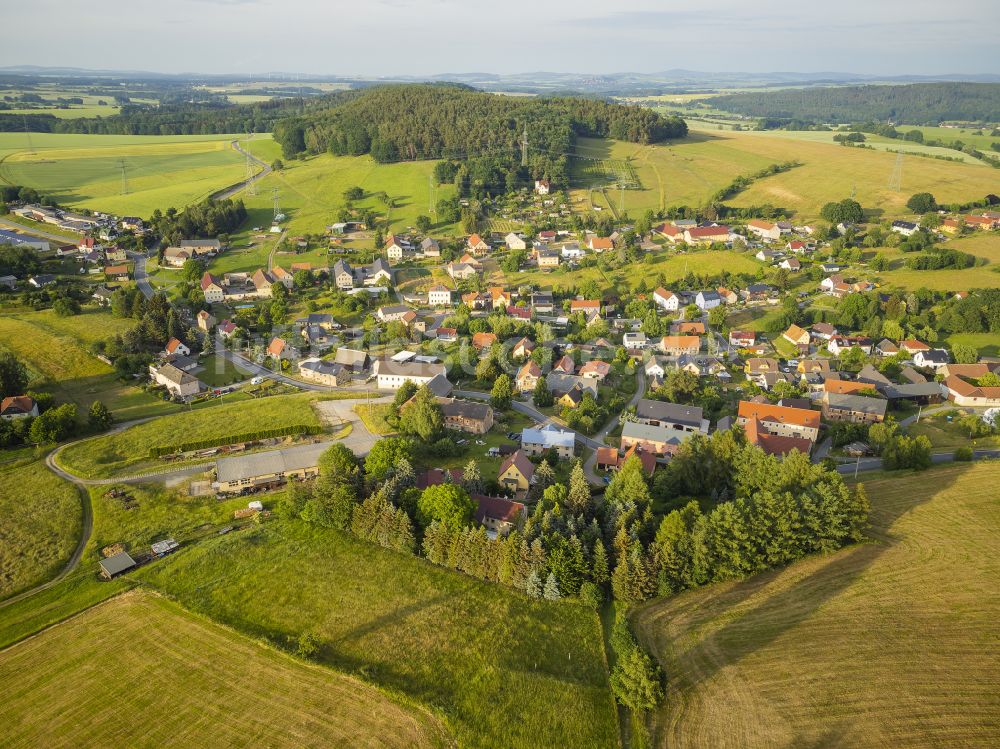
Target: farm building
[[267, 469], [116, 565]]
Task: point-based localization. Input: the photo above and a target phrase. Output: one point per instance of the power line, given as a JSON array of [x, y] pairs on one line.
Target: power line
[[121, 163], [896, 179]]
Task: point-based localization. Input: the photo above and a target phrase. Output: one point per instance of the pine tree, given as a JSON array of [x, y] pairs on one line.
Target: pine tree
[[544, 475], [551, 592], [472, 480], [578, 498], [534, 585], [599, 565]]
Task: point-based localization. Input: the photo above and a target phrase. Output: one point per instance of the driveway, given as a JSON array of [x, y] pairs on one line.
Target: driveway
[[361, 439]]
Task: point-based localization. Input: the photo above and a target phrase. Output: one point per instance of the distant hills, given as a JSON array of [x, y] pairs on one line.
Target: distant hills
[[621, 83]]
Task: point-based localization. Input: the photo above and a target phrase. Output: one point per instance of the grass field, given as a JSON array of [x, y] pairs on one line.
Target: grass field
[[981, 244], [506, 671], [110, 454], [40, 527], [140, 671], [689, 171], [948, 435], [55, 351], [373, 416], [311, 191], [891, 643], [84, 171]]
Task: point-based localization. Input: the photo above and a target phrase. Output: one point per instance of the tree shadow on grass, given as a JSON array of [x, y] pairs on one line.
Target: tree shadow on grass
[[785, 610]]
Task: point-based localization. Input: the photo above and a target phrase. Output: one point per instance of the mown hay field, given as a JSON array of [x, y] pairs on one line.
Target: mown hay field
[[140, 671], [504, 670], [890, 643], [41, 516]]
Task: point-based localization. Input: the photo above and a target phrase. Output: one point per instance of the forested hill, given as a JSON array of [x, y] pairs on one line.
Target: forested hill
[[399, 122], [913, 104]]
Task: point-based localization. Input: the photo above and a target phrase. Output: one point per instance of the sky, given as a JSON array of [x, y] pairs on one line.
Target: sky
[[427, 37]]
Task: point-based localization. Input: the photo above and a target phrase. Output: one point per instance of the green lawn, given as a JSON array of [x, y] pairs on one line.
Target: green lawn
[[373, 416], [110, 454], [84, 171], [948, 435], [503, 670], [311, 190], [90, 682], [889, 643], [41, 517], [55, 349], [981, 244]]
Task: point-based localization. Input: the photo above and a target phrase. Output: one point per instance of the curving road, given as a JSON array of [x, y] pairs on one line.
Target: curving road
[[36, 232], [228, 192]]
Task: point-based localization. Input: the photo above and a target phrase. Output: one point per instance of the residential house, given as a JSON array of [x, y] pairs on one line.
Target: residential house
[[764, 230], [379, 273], [778, 445], [571, 398], [343, 275], [935, 358], [906, 228], [390, 375], [797, 246], [571, 251], [176, 381], [279, 349], [394, 248], [600, 244], [355, 360], [591, 308], [542, 303], [560, 384], [668, 300], [542, 186], [175, 257], [522, 349], [913, 346], [655, 440], [515, 242], [670, 232], [632, 341], [980, 222], [565, 365], [688, 327], [845, 387], [499, 297], [212, 289], [462, 271], [680, 344], [791, 264], [521, 313], [595, 370], [202, 247], [430, 247], [473, 417], [823, 331], [951, 226], [392, 312], [758, 366], [482, 341], [839, 344], [964, 393], [742, 338], [548, 259], [782, 421], [609, 459], [175, 346], [706, 300], [673, 415], [324, 372], [857, 409], [767, 256], [118, 273], [205, 320], [498, 515], [527, 377], [439, 296], [885, 347], [18, 407], [477, 245], [727, 296], [756, 293], [549, 437], [282, 276], [797, 337], [516, 473], [226, 329]]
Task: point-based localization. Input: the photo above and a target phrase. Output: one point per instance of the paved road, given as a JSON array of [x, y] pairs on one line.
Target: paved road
[[140, 274], [875, 464], [229, 192], [36, 232], [361, 439]]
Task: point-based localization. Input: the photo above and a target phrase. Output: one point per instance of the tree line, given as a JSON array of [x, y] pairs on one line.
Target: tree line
[[917, 103]]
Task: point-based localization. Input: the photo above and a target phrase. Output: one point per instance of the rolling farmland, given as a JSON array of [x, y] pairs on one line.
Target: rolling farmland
[[887, 643], [84, 171], [140, 671], [505, 670]]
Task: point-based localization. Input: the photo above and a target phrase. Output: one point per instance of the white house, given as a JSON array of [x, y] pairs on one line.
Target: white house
[[572, 251], [935, 358], [668, 300], [390, 375], [515, 242], [707, 299], [906, 228], [439, 296], [542, 186]]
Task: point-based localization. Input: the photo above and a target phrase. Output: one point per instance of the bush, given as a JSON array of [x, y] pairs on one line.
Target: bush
[[156, 452], [963, 454]]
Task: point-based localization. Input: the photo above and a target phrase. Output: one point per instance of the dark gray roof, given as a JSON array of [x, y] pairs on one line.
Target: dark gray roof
[[466, 409], [439, 385], [120, 562], [269, 462], [857, 403], [321, 366], [661, 411], [912, 390], [871, 375]]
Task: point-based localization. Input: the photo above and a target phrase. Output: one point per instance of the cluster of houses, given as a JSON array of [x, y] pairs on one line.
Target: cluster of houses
[[198, 249], [237, 287], [954, 225]]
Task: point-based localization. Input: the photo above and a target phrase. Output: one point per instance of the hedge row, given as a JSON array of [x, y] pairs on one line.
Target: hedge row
[[260, 434]]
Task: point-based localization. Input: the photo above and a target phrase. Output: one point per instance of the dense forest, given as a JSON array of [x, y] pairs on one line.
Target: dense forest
[[914, 104], [484, 131]]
